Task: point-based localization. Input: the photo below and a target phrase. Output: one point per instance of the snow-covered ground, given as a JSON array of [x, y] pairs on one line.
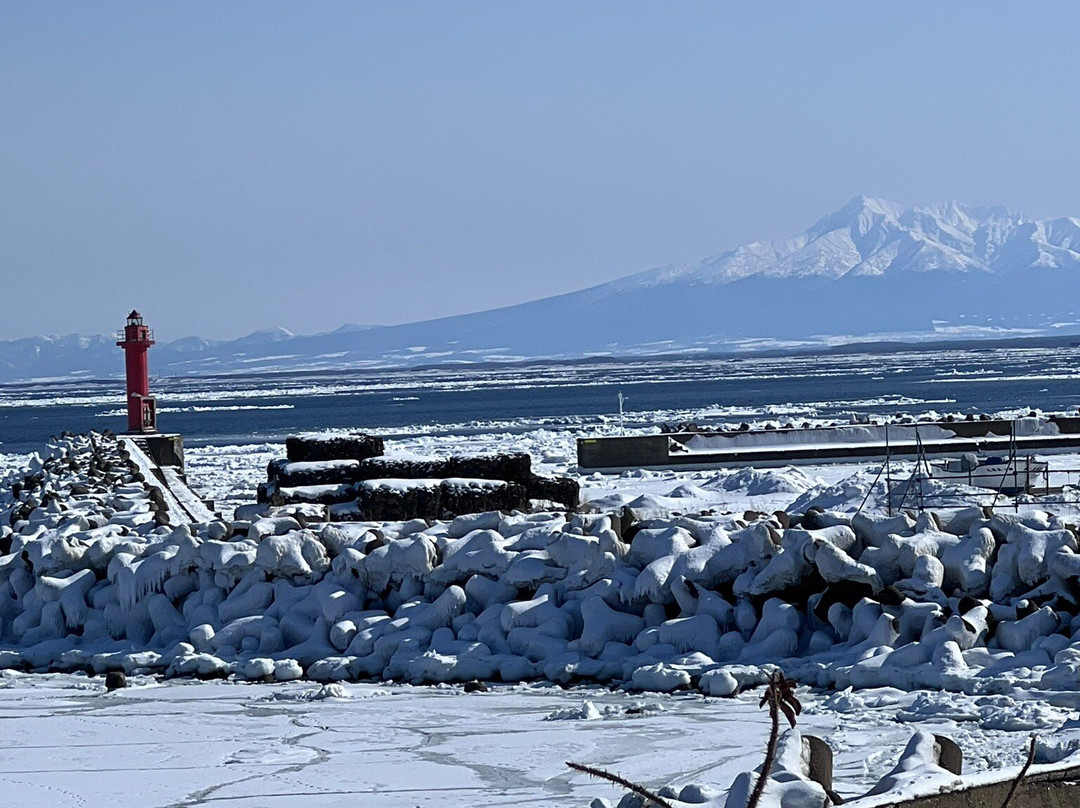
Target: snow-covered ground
[[188, 743], [185, 743]]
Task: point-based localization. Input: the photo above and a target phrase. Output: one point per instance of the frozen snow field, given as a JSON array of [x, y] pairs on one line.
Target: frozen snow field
[[187, 743]]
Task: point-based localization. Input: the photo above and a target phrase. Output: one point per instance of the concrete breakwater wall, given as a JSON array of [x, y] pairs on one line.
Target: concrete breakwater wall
[[856, 441]]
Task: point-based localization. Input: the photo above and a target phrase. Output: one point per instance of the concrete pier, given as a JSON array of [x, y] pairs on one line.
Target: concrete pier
[[776, 447], [160, 459]]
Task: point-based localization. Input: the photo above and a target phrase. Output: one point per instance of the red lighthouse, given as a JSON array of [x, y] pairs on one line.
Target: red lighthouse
[[136, 339]]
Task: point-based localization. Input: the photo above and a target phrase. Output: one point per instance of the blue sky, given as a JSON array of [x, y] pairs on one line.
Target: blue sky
[[232, 166]]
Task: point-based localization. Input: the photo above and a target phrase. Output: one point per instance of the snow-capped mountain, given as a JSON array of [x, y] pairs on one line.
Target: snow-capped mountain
[[871, 270], [873, 238]]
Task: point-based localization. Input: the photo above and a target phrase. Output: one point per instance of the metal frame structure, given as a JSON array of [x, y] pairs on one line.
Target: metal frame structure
[[921, 500]]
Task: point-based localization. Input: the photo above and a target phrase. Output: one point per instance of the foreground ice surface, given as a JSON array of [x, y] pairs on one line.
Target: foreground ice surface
[[187, 743]]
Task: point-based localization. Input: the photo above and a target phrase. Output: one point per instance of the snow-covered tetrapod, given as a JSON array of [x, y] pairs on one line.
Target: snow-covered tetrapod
[[93, 579]]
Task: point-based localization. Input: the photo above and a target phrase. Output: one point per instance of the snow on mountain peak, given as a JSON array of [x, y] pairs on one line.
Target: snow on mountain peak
[[874, 237], [272, 334]]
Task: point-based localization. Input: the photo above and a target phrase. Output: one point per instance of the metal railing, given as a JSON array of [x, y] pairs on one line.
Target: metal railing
[[121, 335]]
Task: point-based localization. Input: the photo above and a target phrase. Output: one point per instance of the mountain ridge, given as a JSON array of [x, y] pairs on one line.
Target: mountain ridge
[[872, 267], [879, 228]]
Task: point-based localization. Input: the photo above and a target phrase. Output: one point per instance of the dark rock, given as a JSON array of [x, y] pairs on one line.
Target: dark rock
[[378, 540], [561, 490], [379, 468], [314, 495], [434, 499], [290, 475], [950, 757], [966, 604], [114, 680], [380, 503], [1025, 608], [891, 596], [459, 496], [846, 592], [343, 447], [820, 763], [515, 468]]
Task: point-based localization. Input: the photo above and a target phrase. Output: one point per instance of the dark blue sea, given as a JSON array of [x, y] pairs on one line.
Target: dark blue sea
[[460, 400]]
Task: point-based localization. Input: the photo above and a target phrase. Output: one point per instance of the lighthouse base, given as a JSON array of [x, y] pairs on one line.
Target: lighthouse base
[[142, 414]]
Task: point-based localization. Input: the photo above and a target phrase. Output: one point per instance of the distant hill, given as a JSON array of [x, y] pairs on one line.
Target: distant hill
[[873, 270]]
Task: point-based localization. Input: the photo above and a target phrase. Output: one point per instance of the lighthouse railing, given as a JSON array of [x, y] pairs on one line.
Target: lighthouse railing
[[121, 336]]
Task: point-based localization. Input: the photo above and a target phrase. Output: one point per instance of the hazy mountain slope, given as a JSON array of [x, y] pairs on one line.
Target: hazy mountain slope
[[871, 268]]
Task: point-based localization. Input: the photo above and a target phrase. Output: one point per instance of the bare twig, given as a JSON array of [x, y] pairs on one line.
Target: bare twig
[[1022, 774], [641, 791], [770, 757], [780, 696]]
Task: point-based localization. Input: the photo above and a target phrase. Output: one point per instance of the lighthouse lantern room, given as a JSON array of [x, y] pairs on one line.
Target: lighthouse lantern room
[[136, 339]]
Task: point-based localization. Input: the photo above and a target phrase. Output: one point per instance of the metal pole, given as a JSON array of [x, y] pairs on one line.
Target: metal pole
[[1009, 461], [888, 470], [919, 462]]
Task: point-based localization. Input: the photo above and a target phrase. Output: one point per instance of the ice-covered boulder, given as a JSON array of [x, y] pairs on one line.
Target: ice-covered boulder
[[297, 554]]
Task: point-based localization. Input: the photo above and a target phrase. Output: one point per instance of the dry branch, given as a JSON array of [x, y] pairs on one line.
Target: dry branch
[[641, 791], [1022, 774]]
